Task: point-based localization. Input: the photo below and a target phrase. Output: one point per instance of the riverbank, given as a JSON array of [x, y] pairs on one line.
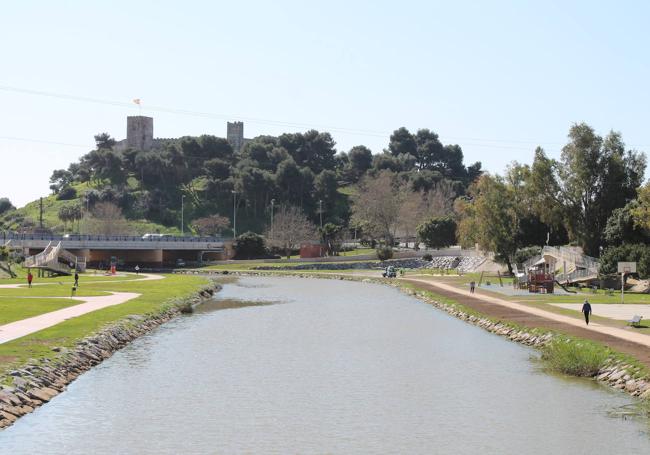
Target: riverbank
[[622, 370], [30, 384]]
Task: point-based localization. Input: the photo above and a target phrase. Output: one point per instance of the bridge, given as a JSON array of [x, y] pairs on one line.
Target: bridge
[[128, 250]]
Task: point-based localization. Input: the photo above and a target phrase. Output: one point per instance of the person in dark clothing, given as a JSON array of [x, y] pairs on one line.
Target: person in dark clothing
[[76, 279], [472, 286], [586, 310], [30, 278]]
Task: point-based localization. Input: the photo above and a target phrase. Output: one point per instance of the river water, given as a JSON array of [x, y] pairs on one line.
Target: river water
[[329, 367]]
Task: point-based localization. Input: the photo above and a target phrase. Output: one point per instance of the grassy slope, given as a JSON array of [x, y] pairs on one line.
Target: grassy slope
[[156, 295], [51, 220]]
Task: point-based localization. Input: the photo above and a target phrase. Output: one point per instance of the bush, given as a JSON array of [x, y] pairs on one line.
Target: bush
[[427, 257], [523, 254], [438, 232], [250, 245], [574, 358], [67, 193], [628, 252], [384, 252]]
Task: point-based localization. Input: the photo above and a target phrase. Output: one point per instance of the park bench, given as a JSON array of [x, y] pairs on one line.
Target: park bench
[[635, 321]]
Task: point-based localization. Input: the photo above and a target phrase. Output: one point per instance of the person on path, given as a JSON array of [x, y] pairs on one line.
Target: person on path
[[76, 279], [472, 286], [137, 270], [30, 278], [586, 310]]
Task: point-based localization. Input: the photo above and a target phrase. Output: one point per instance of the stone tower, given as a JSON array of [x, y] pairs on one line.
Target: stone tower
[[139, 132], [235, 135]]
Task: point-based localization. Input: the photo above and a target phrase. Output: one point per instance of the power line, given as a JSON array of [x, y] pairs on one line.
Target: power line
[[478, 142], [42, 141]]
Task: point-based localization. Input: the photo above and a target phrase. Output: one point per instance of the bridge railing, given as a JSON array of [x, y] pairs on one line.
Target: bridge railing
[[10, 235]]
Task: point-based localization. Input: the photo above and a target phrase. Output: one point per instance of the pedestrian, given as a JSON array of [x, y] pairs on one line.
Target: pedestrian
[[30, 278], [586, 310], [76, 279], [137, 269], [472, 286]]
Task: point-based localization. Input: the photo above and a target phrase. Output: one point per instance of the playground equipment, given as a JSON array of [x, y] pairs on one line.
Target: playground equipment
[[559, 265], [484, 275]]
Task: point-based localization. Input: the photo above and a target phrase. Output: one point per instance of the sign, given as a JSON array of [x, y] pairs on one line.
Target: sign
[[626, 267]]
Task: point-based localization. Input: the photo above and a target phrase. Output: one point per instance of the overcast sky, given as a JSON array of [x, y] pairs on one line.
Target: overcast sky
[[496, 77]]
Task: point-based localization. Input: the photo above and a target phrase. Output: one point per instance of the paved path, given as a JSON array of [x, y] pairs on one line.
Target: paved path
[[28, 326], [622, 312], [623, 340], [141, 277]]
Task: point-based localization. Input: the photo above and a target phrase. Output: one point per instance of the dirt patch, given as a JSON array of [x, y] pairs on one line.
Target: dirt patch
[[522, 318]]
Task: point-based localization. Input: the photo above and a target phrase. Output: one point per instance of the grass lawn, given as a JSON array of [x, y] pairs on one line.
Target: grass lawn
[[156, 295], [15, 309]]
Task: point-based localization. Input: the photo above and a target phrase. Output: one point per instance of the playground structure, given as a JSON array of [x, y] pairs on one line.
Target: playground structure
[[563, 266], [55, 260]]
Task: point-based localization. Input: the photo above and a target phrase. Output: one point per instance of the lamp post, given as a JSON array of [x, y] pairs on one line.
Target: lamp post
[[234, 213], [320, 210], [272, 210], [182, 215]]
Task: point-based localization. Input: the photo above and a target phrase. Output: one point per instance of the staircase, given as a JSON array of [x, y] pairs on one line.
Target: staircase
[[56, 260]]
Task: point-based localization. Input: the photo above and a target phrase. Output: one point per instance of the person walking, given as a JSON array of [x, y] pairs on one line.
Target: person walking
[[472, 286], [586, 310], [137, 269], [30, 278], [76, 279]]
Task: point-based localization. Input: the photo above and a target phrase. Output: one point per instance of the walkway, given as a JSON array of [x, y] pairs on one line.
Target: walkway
[[621, 340], [18, 329], [622, 312], [144, 277]]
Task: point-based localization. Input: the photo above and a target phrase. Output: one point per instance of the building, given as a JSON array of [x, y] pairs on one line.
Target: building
[[235, 135]]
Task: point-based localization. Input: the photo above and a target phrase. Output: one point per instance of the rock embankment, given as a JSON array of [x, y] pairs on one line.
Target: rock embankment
[[37, 382]]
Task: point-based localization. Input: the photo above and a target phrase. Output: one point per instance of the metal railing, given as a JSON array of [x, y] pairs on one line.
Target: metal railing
[[10, 235]]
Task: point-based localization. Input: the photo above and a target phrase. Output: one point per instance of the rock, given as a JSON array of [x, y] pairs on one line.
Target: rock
[[44, 394], [10, 417]]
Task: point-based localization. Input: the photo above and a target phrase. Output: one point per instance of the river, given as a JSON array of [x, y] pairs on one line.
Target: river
[[325, 367]]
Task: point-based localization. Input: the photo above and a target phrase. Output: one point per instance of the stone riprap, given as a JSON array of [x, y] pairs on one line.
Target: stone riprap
[[460, 263], [37, 382]]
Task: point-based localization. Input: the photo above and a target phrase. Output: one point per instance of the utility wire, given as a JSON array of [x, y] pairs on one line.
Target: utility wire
[[474, 142]]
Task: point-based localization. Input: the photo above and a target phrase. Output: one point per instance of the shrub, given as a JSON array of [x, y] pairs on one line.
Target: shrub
[[67, 193], [523, 254], [250, 246], [427, 257], [384, 252], [438, 232], [574, 358]]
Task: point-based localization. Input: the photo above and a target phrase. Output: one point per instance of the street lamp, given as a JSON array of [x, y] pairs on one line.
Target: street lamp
[[320, 210], [234, 213], [272, 210], [182, 215]]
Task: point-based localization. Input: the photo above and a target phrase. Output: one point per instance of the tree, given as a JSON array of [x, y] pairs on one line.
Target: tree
[[360, 160], [250, 245], [641, 212], [104, 141], [621, 228], [376, 206], [629, 252], [106, 218], [331, 236], [402, 142], [290, 228], [60, 179], [489, 218], [438, 232], [5, 205], [210, 225]]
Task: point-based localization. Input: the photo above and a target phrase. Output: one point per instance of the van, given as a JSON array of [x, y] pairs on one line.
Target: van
[[155, 236]]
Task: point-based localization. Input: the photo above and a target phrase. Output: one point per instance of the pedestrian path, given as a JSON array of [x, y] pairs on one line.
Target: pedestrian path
[[18, 329], [619, 311], [141, 277], [622, 334]]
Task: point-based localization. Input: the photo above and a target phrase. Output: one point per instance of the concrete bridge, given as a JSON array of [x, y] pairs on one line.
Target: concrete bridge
[[129, 250]]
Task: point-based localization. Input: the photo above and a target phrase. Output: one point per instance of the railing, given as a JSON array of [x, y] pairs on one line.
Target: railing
[[9, 235], [50, 258]]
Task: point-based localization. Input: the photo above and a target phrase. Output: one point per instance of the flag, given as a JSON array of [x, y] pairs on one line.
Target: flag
[[137, 101]]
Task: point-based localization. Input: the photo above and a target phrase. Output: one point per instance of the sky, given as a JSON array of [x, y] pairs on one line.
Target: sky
[[496, 77]]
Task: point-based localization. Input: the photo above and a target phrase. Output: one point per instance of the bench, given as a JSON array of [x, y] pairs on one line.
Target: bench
[[635, 321]]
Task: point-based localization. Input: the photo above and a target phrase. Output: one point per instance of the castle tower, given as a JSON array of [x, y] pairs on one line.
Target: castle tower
[[139, 132], [235, 135]]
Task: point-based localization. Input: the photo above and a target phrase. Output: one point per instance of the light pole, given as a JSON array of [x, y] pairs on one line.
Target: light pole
[[182, 215], [234, 213], [272, 210], [320, 210]]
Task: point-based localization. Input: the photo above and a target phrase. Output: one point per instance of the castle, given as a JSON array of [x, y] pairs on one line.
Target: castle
[[139, 135]]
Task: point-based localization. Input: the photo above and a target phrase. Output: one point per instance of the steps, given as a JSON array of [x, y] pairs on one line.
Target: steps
[[56, 260]]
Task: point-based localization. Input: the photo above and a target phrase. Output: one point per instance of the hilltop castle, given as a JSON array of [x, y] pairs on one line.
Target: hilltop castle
[[139, 135]]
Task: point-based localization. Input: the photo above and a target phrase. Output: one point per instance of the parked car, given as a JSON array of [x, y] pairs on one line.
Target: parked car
[[180, 263]]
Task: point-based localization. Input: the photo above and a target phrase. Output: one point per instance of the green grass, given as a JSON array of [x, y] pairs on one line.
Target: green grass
[[575, 357], [156, 296], [14, 309]]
